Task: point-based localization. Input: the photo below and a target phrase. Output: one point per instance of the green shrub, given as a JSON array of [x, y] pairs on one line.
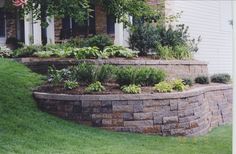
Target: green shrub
[[163, 87], [95, 87], [202, 80], [131, 89], [178, 85], [220, 78], [55, 76], [43, 54], [5, 52], [178, 52], [87, 52], [86, 72], [70, 85], [188, 81], [105, 72], [143, 37], [141, 76], [100, 41], [146, 76], [27, 51], [76, 42], [126, 76], [119, 51]]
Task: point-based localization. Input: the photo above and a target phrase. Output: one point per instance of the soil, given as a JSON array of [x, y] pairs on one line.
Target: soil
[[110, 89]]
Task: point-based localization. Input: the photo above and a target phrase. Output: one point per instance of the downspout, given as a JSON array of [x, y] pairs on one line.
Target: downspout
[[234, 75]]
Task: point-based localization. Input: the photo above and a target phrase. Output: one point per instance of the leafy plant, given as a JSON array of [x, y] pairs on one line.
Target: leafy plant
[[95, 87], [99, 41], [27, 51], [70, 84], [55, 76], [163, 87], [141, 76], [188, 81], [165, 52], [105, 72], [178, 85], [119, 51], [202, 80], [143, 37], [87, 52], [5, 52], [221, 78], [43, 54], [131, 89], [86, 72]]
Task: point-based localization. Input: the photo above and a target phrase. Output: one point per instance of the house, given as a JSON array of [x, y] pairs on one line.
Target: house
[[210, 19]]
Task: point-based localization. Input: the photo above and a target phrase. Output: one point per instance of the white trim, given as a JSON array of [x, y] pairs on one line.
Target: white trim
[[50, 31], [119, 34]]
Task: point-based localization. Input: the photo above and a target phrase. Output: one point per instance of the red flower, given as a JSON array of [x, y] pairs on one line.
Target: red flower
[[19, 3]]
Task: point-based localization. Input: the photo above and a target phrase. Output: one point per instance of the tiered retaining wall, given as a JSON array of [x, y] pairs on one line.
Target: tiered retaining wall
[[193, 112], [173, 68]]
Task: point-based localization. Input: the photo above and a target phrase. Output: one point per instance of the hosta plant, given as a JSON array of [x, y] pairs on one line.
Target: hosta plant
[[163, 87], [178, 85], [95, 87], [131, 89], [70, 85]]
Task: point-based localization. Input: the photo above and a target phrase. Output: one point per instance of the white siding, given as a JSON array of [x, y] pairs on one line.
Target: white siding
[[210, 19]]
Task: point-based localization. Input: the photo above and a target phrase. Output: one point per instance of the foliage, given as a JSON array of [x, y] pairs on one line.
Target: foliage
[[118, 51], [178, 52], [143, 37], [38, 132], [188, 81], [70, 84], [131, 89], [13, 43], [100, 41], [5, 52], [221, 78], [43, 54], [163, 87], [55, 76], [140, 76], [76, 42], [95, 87], [86, 72], [147, 76], [178, 85], [87, 52], [27, 51], [202, 80], [105, 72]]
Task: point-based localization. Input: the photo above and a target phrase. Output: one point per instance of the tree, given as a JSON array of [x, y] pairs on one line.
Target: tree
[[79, 9]]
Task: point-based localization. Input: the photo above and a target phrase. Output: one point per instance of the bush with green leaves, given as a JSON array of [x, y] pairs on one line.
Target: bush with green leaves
[[178, 85], [221, 78], [5, 52], [143, 37], [118, 51], [105, 73], [70, 84], [43, 54], [202, 80], [144, 76], [95, 87], [187, 81], [163, 87], [27, 51], [99, 41], [131, 89], [87, 52], [55, 76], [178, 52]]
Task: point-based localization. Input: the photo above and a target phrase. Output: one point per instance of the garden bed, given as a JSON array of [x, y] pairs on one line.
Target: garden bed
[[174, 68], [192, 112]]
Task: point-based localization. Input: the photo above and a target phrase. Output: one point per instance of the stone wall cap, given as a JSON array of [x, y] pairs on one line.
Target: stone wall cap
[[117, 97]]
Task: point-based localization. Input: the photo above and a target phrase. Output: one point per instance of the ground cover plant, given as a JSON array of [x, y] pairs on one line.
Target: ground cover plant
[[220, 78], [202, 80], [25, 129]]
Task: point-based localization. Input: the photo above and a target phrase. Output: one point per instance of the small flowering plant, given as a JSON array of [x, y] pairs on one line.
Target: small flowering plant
[[19, 3]]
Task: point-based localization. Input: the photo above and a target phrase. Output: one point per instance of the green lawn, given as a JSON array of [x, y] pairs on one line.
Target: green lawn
[[24, 129]]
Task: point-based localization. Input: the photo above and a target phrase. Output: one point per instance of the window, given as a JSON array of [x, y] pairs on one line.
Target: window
[[2, 23], [111, 24], [70, 28]]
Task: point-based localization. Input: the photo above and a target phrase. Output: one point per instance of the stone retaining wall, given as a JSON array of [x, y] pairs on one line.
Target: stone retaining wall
[[194, 112], [173, 68]]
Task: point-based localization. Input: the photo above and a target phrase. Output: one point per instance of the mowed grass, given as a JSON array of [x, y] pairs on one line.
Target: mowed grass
[[24, 129]]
